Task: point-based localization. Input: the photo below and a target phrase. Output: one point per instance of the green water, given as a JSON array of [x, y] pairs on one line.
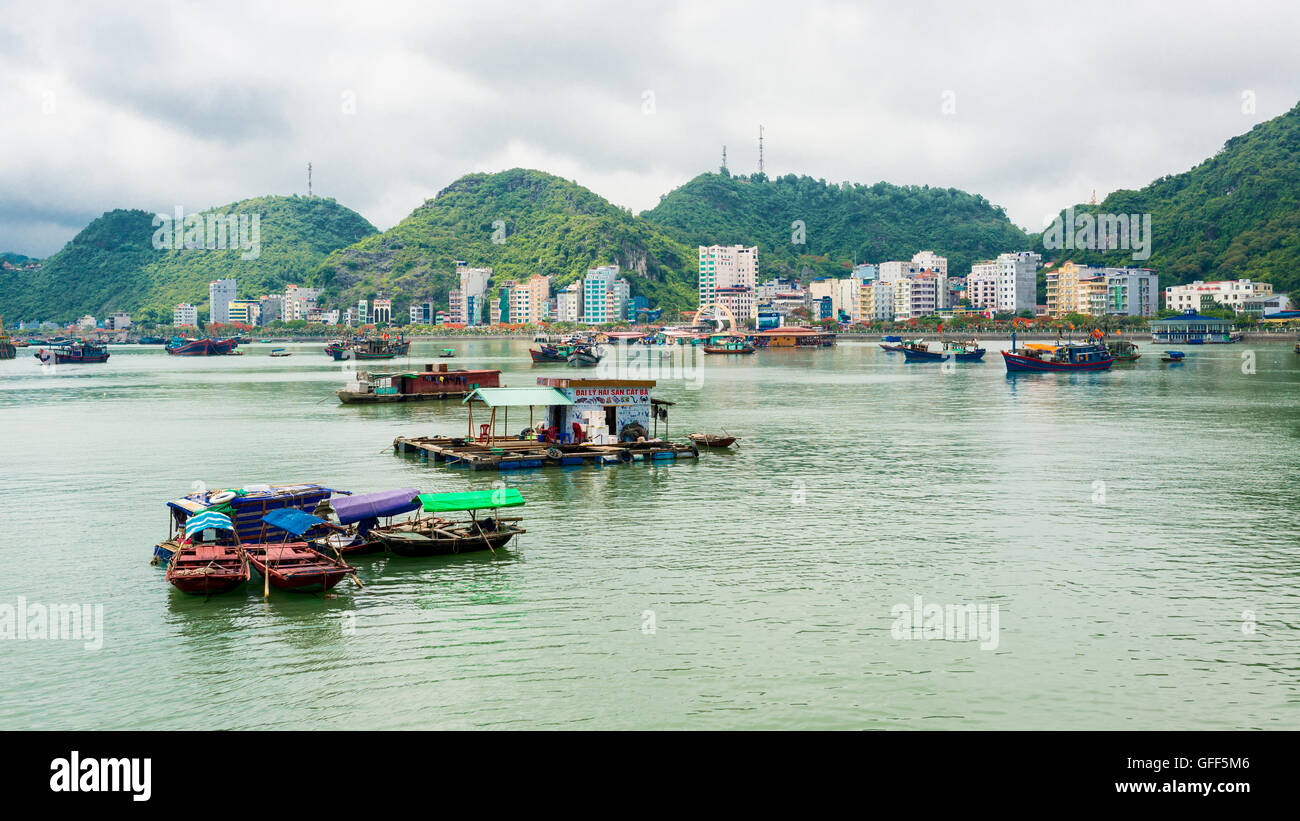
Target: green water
[[1122, 523]]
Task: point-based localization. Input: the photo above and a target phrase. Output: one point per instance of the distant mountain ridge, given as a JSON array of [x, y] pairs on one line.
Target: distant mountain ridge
[[1235, 215]]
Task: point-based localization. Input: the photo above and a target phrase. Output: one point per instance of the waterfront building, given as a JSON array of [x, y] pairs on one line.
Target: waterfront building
[[1132, 292], [568, 303], [920, 295], [499, 308], [876, 302], [363, 312], [244, 312], [118, 321], [271, 307], [185, 315], [382, 311], [1190, 327], [601, 407], [1229, 293], [221, 293], [1063, 292], [731, 267], [739, 301], [1261, 307], [604, 296], [298, 302], [982, 284], [465, 303], [1017, 281]]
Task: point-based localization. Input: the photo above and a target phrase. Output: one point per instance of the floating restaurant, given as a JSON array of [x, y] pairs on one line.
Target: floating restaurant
[[570, 422], [793, 336], [1191, 328]]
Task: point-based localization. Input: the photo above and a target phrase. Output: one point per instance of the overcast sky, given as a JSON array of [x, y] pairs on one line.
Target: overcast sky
[[1034, 106]]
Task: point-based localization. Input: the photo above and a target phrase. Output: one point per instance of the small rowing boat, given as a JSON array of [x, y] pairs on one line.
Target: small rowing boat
[[209, 561], [436, 536], [295, 565], [1173, 356], [709, 440]]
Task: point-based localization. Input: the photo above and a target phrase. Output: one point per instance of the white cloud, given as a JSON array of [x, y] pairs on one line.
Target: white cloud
[[194, 104]]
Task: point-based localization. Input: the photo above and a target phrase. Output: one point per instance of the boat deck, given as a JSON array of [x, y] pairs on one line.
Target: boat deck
[[517, 454]]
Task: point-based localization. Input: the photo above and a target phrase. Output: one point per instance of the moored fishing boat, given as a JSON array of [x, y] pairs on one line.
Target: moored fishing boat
[[1124, 351], [74, 353], [1172, 356], [436, 536], [8, 350], [731, 346], [710, 440], [246, 506], [447, 353], [416, 386], [369, 348], [360, 515], [208, 346], [295, 565], [1068, 357], [280, 352], [209, 561], [583, 356], [919, 351]]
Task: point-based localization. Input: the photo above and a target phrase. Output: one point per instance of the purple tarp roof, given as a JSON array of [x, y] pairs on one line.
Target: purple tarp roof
[[378, 505]]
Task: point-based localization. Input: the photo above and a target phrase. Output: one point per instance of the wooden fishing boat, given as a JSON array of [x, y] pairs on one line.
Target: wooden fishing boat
[[295, 566], [709, 440], [280, 352], [209, 561], [1173, 356], [550, 353], [246, 506], [919, 351], [1124, 351], [152, 340], [369, 348], [416, 386], [447, 353], [360, 514], [732, 347], [207, 346], [8, 350], [583, 356], [1068, 357], [436, 536], [74, 353]]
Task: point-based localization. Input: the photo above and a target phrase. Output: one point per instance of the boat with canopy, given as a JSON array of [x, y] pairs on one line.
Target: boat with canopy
[[437, 536], [362, 514], [210, 560], [295, 565]]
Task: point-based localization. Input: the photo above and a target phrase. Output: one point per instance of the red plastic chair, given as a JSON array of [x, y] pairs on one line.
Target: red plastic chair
[[483, 432]]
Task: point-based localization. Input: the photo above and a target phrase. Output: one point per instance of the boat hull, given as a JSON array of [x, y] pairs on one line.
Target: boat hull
[[1027, 364], [547, 356], [417, 545], [929, 356], [203, 347], [295, 566], [733, 351], [207, 571]]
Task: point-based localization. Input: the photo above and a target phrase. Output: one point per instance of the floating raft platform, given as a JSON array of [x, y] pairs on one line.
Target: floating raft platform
[[519, 454]]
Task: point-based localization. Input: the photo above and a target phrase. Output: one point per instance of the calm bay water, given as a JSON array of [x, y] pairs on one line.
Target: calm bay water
[[1123, 523]]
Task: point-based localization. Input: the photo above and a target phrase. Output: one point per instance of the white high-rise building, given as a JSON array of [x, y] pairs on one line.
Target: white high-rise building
[[465, 304], [221, 293], [185, 315], [894, 270], [729, 267], [568, 303], [1230, 293], [299, 302], [1017, 281]]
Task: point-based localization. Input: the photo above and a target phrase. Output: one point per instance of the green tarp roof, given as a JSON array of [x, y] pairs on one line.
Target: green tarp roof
[[496, 397], [471, 500]]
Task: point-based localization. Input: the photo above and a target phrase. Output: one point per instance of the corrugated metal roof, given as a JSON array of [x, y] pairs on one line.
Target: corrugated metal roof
[[498, 397]]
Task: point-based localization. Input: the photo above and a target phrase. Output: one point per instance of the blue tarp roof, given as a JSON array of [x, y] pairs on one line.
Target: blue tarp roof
[[292, 520], [202, 521], [1192, 318]]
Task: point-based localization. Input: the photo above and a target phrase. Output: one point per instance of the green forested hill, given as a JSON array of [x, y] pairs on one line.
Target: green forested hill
[[518, 223], [842, 223], [1234, 216], [112, 264]]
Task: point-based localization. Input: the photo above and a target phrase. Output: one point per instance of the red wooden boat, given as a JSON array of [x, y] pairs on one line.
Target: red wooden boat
[[201, 347], [295, 566], [205, 569]]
